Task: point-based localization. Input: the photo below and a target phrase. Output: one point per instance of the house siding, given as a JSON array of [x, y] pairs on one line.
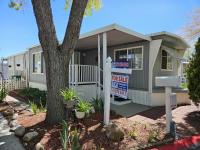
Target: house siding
[[35, 77]]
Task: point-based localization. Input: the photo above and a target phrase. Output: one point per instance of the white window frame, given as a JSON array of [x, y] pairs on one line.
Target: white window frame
[[168, 54], [128, 48], [41, 62]]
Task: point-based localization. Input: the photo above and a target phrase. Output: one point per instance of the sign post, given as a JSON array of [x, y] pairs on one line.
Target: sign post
[[107, 91]]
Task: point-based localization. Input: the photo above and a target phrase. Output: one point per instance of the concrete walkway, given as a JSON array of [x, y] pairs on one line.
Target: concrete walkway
[[129, 110], [8, 141]]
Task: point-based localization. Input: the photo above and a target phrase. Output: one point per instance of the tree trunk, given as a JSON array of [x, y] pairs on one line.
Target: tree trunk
[[57, 57]]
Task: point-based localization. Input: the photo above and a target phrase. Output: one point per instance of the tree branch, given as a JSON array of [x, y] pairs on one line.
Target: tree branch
[[73, 26], [44, 19]]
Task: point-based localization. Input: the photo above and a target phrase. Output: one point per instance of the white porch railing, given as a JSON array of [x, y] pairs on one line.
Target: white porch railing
[[83, 74]]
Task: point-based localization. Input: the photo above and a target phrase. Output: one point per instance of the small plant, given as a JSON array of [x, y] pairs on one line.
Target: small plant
[[133, 134], [3, 93], [42, 108], [64, 134], [153, 135], [33, 107], [83, 106], [98, 104], [68, 94], [75, 145]]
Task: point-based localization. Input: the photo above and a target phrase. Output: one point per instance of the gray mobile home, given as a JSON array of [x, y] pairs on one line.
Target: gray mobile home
[[157, 54]]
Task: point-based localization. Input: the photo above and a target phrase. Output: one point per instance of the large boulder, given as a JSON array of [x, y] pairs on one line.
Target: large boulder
[[19, 131], [114, 133], [29, 136]]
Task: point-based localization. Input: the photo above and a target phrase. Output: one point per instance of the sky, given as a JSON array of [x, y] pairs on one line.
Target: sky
[[18, 29]]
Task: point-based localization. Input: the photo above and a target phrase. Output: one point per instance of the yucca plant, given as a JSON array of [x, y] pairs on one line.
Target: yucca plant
[[33, 107], [75, 145], [98, 104], [64, 134]]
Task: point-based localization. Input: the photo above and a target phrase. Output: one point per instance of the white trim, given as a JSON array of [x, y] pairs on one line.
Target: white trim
[[114, 27], [169, 34], [167, 61], [153, 53], [128, 48]]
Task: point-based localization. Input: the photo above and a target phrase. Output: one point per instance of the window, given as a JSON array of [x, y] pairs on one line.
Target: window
[[133, 55], [166, 61], [38, 63]]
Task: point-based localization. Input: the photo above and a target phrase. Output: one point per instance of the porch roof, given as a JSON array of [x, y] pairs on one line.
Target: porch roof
[[116, 35]]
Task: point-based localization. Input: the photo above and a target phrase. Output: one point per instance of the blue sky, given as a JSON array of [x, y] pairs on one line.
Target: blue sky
[[18, 29]]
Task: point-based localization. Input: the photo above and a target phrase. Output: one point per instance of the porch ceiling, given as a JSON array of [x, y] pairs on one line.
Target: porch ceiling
[[116, 35]]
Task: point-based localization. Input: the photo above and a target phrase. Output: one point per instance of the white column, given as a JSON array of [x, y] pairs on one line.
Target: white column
[[168, 110], [99, 66], [104, 57], [107, 90]]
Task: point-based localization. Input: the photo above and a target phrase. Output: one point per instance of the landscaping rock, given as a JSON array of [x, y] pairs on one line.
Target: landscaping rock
[[39, 146], [29, 136], [13, 123], [19, 131], [114, 133], [15, 116], [8, 112]]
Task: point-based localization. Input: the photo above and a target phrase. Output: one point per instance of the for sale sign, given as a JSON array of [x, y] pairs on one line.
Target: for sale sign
[[120, 85]]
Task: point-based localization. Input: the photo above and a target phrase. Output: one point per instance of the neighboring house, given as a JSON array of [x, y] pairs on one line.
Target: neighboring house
[[158, 54], [4, 70]]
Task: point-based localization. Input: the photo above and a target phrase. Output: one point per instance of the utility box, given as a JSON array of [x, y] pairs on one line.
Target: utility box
[[173, 100], [168, 81]]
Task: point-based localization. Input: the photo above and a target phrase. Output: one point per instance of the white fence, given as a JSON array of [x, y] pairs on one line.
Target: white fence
[[83, 74], [13, 84]]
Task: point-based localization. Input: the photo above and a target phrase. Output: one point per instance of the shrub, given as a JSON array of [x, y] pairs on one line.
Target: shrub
[[64, 134], [68, 94], [98, 104], [3, 93], [83, 106], [193, 72], [33, 107], [35, 95]]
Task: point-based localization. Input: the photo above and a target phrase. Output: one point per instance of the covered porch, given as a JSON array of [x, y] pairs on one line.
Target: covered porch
[[87, 63]]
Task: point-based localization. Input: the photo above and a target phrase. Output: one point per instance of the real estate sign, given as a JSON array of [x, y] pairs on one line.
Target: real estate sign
[[120, 85]]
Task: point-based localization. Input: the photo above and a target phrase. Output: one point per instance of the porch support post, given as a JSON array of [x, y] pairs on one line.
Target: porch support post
[[73, 69], [104, 58], [99, 67]]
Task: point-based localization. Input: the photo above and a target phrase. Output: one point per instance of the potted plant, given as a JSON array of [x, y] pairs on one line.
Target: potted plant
[[69, 97], [82, 108]]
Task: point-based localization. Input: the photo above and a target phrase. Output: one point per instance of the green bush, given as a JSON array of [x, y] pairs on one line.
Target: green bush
[[3, 94], [83, 106], [35, 95], [75, 145], [193, 75]]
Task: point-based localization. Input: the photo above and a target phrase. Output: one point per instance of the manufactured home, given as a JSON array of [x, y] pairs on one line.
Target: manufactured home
[[157, 54]]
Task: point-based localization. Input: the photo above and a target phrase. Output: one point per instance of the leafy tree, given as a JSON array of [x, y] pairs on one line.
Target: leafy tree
[[193, 75], [57, 55]]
